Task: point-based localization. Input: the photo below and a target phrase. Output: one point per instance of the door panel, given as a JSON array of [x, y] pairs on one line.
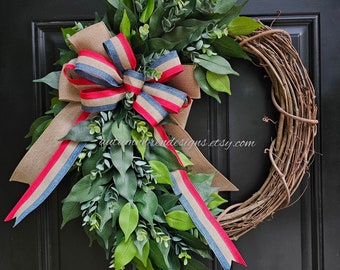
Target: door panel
[[304, 236]]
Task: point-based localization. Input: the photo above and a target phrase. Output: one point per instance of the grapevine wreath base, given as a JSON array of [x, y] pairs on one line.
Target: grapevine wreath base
[[293, 96]]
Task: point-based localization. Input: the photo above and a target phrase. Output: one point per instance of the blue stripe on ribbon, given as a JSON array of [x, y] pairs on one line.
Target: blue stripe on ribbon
[[113, 54], [95, 75], [200, 226], [70, 161], [101, 108], [154, 103], [168, 89], [163, 59], [135, 74]]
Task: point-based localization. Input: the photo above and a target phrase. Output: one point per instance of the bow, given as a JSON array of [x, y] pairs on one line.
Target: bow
[[103, 81]]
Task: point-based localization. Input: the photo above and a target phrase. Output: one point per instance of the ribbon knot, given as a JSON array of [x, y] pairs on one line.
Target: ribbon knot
[[104, 81]]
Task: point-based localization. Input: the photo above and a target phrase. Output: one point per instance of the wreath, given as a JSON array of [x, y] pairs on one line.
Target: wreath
[[142, 189]]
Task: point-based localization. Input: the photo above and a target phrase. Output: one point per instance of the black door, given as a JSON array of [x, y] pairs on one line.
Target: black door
[[302, 237]]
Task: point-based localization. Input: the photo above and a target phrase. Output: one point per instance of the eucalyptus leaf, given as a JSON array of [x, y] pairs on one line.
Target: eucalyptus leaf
[[51, 79], [124, 253], [242, 26], [220, 82], [179, 220], [128, 219]]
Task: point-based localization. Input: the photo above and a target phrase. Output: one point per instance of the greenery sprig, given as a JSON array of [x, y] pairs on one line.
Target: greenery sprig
[[125, 200]]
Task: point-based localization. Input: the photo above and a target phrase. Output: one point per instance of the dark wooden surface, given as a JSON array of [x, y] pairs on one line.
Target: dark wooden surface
[[303, 237]]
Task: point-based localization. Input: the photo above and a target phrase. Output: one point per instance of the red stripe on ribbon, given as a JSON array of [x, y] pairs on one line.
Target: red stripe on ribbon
[[128, 50], [94, 93], [143, 112], [170, 73]]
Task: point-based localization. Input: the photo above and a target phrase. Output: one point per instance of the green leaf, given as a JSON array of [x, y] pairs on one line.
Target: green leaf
[[138, 140], [155, 21], [185, 160], [51, 79], [220, 83], [37, 128], [141, 266], [147, 12], [163, 155], [80, 133], [128, 219], [70, 210], [125, 25], [122, 133], [215, 64], [107, 235], [126, 184], [228, 47], [200, 77], [179, 220], [65, 56], [143, 248], [202, 183], [89, 164], [194, 264], [156, 256], [124, 253], [217, 201], [161, 172], [192, 241], [168, 201], [223, 6], [82, 191], [242, 26], [121, 159], [157, 44], [147, 204]]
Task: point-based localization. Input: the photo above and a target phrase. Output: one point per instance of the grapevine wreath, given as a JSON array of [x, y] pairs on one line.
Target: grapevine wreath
[[143, 190]]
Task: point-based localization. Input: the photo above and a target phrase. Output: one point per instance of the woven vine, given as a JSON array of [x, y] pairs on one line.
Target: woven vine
[[292, 150]]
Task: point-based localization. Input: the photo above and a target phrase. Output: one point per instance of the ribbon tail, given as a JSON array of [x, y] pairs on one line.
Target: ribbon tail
[[49, 176], [47, 180], [218, 240]]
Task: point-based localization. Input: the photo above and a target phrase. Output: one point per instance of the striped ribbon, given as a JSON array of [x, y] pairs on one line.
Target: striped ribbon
[[103, 79]]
